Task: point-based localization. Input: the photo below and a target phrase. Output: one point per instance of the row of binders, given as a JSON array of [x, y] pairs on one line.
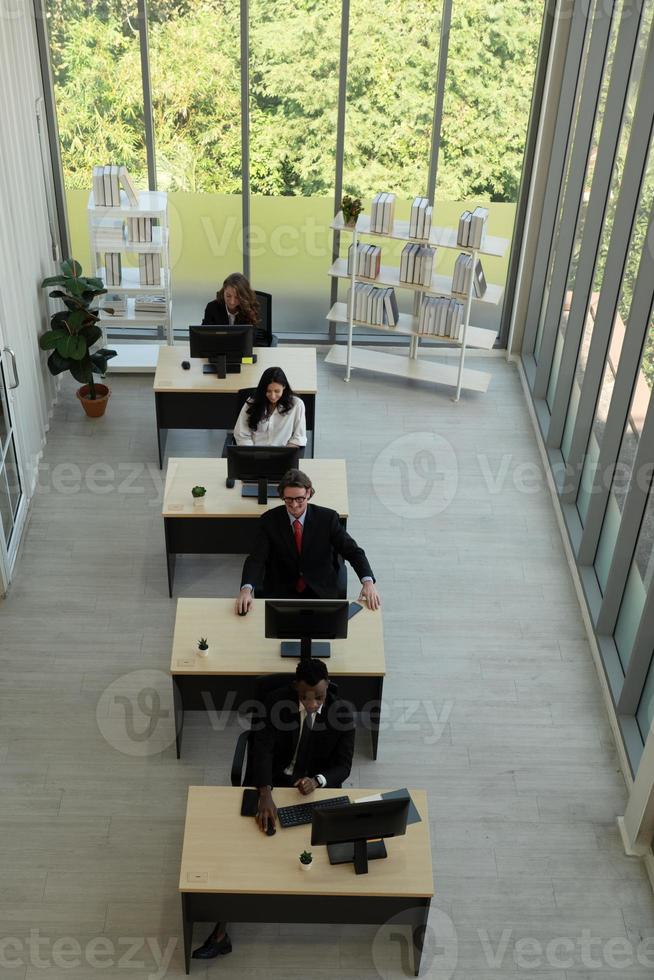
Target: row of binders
[[420, 222], [139, 229], [472, 227], [374, 304], [440, 317], [106, 187], [464, 272], [417, 264], [150, 269], [382, 214], [112, 269], [368, 260]]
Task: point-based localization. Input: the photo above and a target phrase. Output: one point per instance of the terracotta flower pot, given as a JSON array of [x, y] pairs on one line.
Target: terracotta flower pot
[[94, 407]]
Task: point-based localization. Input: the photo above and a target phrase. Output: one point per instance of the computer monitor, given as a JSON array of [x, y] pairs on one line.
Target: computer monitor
[[353, 832], [224, 346], [260, 465], [306, 620]]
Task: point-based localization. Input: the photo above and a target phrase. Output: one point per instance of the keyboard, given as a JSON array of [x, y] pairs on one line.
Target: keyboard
[[301, 813]]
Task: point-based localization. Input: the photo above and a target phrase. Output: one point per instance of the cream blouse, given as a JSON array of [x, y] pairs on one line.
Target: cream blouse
[[279, 429]]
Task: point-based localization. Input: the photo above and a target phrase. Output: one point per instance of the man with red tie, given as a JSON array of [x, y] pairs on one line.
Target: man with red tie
[[298, 550]]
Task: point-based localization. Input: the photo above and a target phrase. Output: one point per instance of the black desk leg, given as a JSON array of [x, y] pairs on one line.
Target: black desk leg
[[187, 926], [170, 559], [179, 715], [162, 434], [419, 929], [374, 718]]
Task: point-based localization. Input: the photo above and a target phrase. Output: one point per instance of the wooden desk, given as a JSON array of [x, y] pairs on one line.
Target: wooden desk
[[239, 653], [224, 522], [193, 400], [232, 872]]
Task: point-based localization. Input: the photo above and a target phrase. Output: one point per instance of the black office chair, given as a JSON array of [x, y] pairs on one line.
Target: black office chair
[[241, 774], [242, 396], [265, 310]]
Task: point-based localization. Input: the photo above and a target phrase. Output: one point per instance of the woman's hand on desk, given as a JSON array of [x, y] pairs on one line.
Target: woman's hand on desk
[[244, 602], [267, 809], [370, 594]]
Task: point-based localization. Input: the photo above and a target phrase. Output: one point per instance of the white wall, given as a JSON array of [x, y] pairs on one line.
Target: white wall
[[25, 236]]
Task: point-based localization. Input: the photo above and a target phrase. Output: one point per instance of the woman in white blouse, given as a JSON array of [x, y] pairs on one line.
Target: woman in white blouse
[[273, 416]]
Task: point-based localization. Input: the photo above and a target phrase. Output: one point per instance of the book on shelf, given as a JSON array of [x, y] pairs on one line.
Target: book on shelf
[[440, 317], [382, 214], [139, 230], [110, 232], [112, 268], [479, 279], [375, 305], [149, 269], [417, 264], [106, 181], [463, 233], [477, 227], [150, 304], [368, 260], [420, 222]]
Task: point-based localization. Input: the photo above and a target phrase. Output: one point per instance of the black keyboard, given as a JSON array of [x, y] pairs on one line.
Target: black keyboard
[[301, 813]]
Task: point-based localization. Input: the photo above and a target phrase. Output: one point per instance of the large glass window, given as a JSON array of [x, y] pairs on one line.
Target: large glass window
[[196, 105], [638, 583]]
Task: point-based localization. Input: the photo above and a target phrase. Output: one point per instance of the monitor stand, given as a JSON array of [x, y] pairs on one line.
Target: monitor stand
[[221, 366], [262, 490], [305, 649], [359, 853]]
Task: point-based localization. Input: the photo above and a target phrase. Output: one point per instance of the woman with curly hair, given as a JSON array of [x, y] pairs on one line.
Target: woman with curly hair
[[236, 302], [273, 415]]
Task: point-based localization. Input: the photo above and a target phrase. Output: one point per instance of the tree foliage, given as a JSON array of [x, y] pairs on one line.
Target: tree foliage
[[294, 64]]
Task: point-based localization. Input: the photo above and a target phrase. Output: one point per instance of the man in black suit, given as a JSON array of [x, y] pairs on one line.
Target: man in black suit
[[297, 551], [304, 738]]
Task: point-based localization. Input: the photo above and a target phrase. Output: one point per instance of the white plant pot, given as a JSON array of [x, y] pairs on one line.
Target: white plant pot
[[203, 653], [306, 867], [198, 502]]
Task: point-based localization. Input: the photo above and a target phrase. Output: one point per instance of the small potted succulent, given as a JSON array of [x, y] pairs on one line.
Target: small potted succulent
[[203, 647], [306, 860], [198, 494], [351, 208]]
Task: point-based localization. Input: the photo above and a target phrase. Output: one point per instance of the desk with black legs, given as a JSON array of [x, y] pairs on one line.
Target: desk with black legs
[[193, 400], [239, 653], [231, 872], [223, 522]]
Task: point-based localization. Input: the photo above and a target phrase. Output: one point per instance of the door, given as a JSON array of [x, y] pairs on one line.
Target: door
[[13, 504]]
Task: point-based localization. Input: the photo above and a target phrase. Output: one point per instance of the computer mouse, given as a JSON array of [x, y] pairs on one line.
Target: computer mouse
[[271, 830], [242, 612], [186, 365], [230, 484]]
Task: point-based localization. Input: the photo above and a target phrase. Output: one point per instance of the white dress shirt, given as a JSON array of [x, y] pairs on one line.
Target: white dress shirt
[[278, 429]]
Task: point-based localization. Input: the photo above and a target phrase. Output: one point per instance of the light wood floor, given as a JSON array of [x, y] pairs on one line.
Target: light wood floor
[[492, 702]]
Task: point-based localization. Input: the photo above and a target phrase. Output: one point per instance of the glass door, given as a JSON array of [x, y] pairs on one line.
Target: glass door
[[12, 501]]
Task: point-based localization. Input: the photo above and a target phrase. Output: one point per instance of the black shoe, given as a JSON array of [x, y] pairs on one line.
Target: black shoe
[[213, 947]]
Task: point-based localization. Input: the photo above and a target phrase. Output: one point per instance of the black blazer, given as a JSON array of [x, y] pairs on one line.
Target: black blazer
[[275, 566], [216, 313], [331, 742]]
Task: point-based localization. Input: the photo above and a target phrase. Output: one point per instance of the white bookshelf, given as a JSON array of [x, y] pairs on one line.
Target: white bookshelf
[[407, 325], [133, 354]]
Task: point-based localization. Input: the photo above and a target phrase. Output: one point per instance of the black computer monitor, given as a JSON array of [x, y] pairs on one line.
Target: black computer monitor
[[306, 620], [260, 465], [224, 346], [352, 832]]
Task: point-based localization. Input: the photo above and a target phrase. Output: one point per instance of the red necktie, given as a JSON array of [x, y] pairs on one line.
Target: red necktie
[[300, 585]]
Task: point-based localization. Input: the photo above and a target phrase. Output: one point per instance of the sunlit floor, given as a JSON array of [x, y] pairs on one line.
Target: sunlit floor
[[491, 703]]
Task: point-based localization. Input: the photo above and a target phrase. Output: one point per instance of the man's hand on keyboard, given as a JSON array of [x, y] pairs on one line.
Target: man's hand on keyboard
[[267, 810], [306, 785]]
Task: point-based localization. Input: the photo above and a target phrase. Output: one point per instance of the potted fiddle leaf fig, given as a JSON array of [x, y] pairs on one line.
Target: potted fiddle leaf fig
[[74, 331]]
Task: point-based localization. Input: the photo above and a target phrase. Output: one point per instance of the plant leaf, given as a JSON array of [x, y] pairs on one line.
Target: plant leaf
[[92, 334], [53, 281], [82, 370], [48, 340], [58, 364], [71, 268]]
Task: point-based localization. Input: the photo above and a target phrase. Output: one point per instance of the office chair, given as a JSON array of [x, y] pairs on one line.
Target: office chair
[[242, 396], [241, 773], [265, 309]]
